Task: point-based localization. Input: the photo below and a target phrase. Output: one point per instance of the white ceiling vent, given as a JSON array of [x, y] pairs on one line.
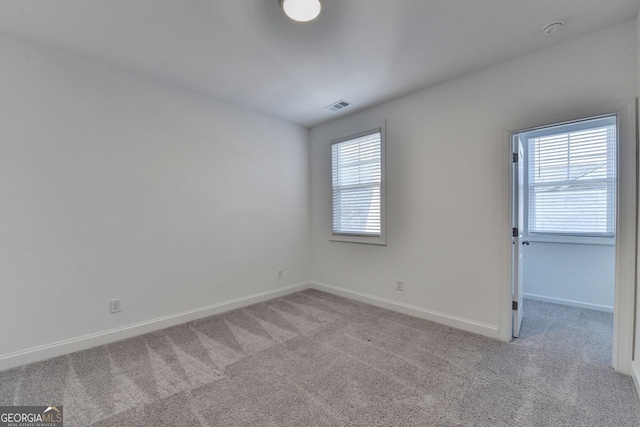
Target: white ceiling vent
[[338, 105]]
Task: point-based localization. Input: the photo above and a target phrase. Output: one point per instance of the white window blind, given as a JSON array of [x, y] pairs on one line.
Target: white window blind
[[357, 179], [572, 180]]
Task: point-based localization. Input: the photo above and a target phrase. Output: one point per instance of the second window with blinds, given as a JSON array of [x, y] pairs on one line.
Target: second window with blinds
[[571, 182], [358, 191]]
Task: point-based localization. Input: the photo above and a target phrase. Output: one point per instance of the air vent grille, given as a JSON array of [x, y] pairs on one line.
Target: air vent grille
[[338, 105]]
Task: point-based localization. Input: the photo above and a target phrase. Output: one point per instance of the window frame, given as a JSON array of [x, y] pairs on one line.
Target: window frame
[[558, 237], [359, 238]]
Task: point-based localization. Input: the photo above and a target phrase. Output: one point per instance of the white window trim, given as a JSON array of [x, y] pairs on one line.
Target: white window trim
[[560, 238], [576, 240], [367, 240]]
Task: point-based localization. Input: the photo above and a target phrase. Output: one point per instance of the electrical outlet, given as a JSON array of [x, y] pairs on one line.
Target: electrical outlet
[[280, 274], [399, 285], [115, 306]]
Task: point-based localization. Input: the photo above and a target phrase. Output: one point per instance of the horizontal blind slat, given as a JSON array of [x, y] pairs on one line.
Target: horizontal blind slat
[[357, 176], [572, 181]]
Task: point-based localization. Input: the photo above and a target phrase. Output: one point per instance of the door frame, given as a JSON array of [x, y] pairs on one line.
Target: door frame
[[517, 222], [626, 209]]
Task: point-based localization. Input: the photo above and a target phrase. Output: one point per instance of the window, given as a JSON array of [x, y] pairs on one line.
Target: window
[[357, 169], [572, 179]]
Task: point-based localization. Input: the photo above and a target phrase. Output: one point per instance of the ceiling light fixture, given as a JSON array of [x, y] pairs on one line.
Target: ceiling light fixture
[[301, 10]]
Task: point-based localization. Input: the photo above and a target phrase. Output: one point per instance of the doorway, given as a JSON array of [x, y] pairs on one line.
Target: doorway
[[564, 210]]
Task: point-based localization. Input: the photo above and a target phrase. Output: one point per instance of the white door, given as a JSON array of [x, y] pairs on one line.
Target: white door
[[518, 228]]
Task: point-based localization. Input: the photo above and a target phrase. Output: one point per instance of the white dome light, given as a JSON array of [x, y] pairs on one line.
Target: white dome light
[[302, 10]]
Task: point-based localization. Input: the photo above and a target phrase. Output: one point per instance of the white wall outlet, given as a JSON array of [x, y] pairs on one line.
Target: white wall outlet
[[280, 274], [115, 306], [399, 285]]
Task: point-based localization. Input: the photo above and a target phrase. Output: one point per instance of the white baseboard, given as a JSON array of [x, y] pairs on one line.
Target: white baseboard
[[36, 354], [487, 330], [635, 374], [570, 302]]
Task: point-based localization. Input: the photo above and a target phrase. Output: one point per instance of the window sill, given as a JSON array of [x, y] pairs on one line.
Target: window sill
[[572, 240], [365, 240]]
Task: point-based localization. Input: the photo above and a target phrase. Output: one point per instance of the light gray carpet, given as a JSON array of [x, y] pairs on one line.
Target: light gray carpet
[[314, 359]]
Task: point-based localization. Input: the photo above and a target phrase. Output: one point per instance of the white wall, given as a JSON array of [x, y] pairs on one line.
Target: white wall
[[114, 186], [573, 274], [445, 146]]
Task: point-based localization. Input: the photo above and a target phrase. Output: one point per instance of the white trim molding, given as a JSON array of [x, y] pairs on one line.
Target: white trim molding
[[569, 302], [60, 348], [624, 304], [635, 374], [468, 325]]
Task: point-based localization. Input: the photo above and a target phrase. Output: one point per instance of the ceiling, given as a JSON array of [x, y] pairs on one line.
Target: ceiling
[[248, 53]]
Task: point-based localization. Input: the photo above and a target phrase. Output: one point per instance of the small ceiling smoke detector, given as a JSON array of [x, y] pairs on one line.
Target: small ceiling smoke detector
[[338, 105], [552, 28], [301, 10]]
